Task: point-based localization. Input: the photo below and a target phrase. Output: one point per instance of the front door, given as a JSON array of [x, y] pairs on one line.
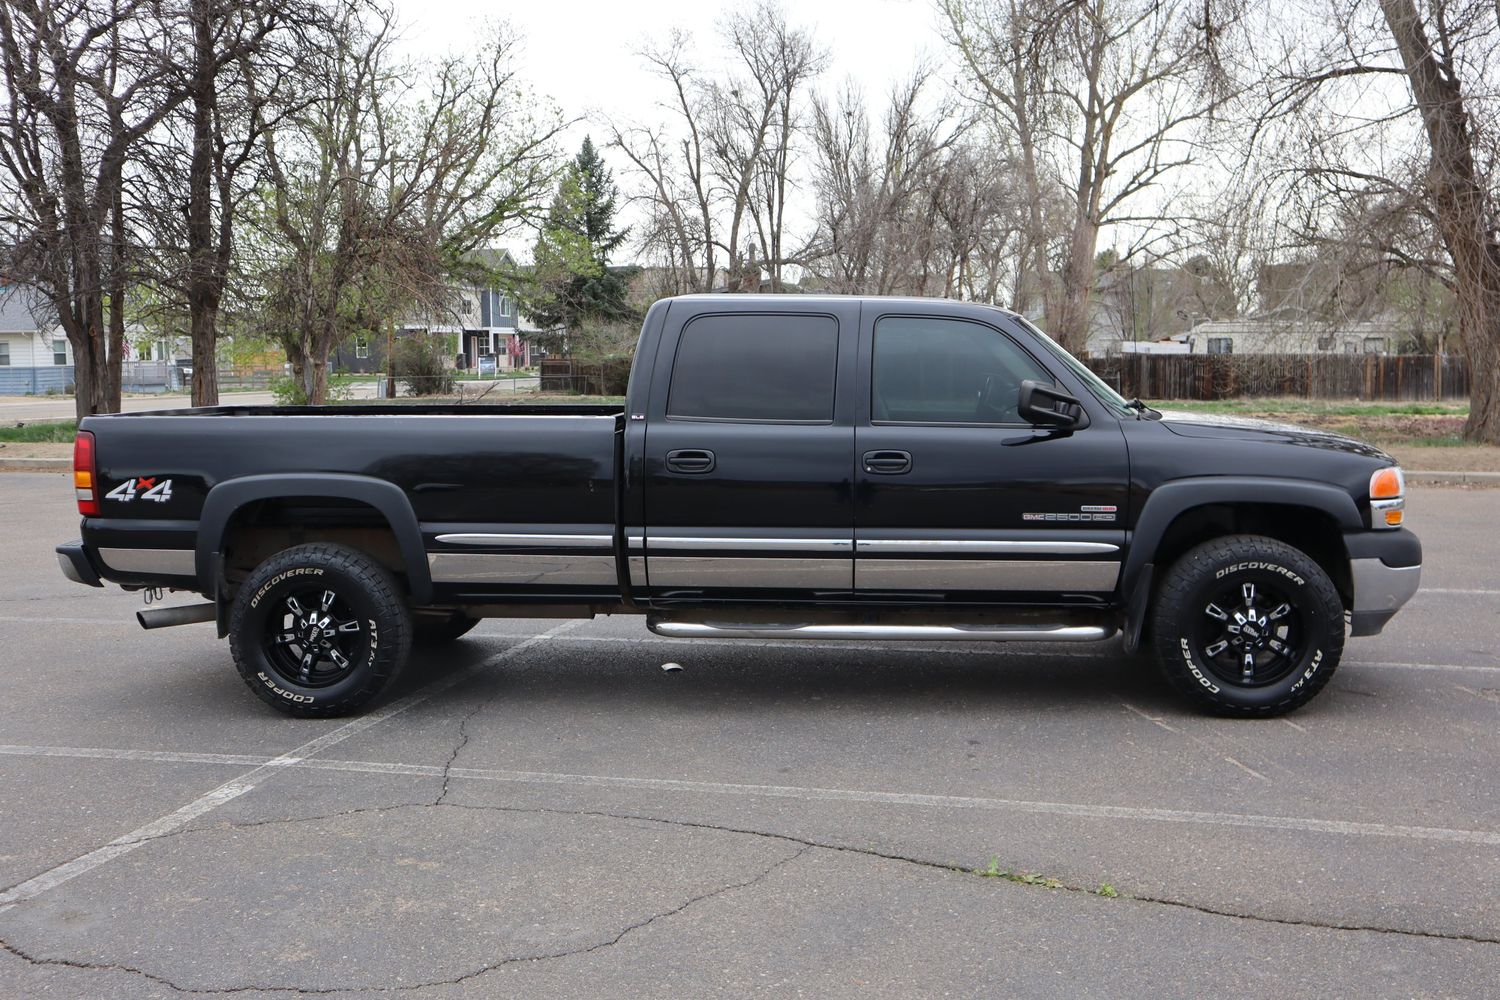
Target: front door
[[748, 455], [957, 499]]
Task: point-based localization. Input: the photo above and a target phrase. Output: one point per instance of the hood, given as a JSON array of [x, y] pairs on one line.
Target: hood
[[1213, 425]]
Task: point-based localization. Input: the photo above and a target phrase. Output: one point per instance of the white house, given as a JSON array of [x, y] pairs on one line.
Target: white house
[[1275, 335], [34, 354]]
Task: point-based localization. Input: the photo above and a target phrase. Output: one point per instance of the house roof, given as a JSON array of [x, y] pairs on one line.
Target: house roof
[[23, 311]]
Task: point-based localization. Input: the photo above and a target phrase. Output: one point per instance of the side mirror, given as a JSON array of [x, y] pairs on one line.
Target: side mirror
[[1046, 404]]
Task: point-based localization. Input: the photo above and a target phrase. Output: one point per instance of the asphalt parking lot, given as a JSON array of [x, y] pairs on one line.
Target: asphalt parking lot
[[541, 811]]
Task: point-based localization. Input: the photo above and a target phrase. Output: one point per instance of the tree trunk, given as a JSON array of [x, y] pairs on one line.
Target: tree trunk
[[204, 287], [205, 387], [1071, 328]]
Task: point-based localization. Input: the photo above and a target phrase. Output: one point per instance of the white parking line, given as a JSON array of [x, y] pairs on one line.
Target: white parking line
[[1458, 590], [1298, 824], [236, 787]]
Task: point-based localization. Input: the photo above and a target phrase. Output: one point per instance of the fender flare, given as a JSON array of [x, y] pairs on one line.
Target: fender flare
[[227, 498], [1170, 500]]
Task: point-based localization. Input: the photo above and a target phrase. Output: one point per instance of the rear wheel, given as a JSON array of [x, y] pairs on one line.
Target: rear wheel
[[1248, 626], [319, 630]]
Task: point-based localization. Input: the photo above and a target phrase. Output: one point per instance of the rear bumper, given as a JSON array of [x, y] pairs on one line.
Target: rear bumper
[[76, 566], [1385, 569]]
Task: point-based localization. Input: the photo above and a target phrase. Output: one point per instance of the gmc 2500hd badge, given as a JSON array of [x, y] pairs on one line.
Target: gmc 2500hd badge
[[142, 489]]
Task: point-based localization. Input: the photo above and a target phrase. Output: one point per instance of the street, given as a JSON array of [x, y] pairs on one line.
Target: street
[[540, 810]]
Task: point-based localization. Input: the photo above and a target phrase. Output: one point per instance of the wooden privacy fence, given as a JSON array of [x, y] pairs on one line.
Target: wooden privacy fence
[[589, 378], [1402, 377]]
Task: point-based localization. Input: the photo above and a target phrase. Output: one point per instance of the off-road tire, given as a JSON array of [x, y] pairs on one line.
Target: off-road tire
[[1186, 628], [368, 617], [439, 630]]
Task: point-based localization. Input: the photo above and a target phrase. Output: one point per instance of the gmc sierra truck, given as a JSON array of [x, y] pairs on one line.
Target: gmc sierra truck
[[787, 467]]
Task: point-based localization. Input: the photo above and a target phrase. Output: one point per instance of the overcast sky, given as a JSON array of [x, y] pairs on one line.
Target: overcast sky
[[583, 53]]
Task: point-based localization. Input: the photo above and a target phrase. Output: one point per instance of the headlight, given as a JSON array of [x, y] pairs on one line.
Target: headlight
[[1387, 497]]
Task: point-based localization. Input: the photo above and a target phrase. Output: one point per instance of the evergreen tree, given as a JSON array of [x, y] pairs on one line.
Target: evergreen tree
[[573, 283]]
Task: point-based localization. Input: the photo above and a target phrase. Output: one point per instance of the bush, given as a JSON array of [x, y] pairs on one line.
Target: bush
[[423, 365]]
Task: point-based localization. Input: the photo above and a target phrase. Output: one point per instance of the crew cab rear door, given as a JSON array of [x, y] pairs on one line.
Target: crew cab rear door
[[748, 453], [957, 498]]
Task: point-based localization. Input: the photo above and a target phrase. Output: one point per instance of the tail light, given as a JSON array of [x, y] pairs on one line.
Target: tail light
[[1387, 498], [85, 475]]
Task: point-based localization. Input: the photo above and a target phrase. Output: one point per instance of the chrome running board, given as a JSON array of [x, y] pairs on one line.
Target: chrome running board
[[905, 633]]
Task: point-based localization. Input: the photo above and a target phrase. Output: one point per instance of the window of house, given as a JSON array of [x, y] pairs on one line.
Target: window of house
[[1375, 345], [1220, 345], [774, 368], [59, 352], [361, 347], [4, 353], [1326, 343], [948, 371], [502, 306]]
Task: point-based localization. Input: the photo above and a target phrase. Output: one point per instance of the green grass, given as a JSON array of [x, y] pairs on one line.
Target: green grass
[[1334, 407], [58, 432]]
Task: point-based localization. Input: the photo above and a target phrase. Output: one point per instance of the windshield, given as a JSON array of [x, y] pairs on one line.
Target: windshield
[[1097, 385]]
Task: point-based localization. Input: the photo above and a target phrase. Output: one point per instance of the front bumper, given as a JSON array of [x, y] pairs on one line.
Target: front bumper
[[76, 566], [1385, 568]]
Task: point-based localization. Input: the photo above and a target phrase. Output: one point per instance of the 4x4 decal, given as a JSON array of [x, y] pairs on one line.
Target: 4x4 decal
[[142, 488]]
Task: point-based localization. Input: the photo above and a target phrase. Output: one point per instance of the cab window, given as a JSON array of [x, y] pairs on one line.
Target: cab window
[[947, 371]]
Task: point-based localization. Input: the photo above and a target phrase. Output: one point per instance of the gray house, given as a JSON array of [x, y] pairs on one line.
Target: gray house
[[484, 326], [34, 355]]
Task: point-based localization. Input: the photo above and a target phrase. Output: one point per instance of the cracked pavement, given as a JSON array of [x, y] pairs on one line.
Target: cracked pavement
[[565, 820]]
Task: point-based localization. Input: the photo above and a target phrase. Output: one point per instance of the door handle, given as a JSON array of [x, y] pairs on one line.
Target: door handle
[[690, 461], [887, 463]]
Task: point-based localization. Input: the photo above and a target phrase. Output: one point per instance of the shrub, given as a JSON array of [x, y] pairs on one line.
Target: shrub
[[424, 366]]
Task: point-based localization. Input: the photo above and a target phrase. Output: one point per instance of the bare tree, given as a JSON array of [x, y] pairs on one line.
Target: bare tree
[[385, 185], [921, 204], [191, 178], [1102, 96], [1383, 121], [724, 164], [85, 82]]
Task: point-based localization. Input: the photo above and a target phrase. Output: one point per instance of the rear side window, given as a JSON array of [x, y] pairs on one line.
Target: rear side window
[[947, 371], [768, 367]]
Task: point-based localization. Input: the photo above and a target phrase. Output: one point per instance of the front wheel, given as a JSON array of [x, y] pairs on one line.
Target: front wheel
[[319, 630], [1248, 626]]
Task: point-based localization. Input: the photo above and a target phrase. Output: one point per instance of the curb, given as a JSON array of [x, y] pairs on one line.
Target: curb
[[1472, 478], [36, 464]]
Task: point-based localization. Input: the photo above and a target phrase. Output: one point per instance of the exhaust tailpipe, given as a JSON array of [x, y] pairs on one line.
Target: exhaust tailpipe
[[187, 614]]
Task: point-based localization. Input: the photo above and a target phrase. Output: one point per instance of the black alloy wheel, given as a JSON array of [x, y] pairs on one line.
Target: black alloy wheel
[[1247, 625], [319, 630]]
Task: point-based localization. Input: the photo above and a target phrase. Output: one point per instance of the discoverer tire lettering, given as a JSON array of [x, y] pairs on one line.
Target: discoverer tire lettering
[[1287, 628], [333, 602]]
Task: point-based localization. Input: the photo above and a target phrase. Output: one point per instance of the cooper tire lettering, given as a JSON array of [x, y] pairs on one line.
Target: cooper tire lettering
[[1191, 647], [276, 614]]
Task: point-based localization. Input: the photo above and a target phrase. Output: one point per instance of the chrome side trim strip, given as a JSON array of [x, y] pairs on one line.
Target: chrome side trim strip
[[523, 569], [637, 568], [539, 541], [956, 546], [681, 543], [920, 633], [760, 572], [985, 574], [167, 562]]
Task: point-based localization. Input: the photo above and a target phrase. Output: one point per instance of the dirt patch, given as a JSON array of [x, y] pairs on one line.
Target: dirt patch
[[35, 449], [1465, 458]]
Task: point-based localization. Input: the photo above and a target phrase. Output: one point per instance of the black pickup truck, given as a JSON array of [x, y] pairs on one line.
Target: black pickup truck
[[783, 467]]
